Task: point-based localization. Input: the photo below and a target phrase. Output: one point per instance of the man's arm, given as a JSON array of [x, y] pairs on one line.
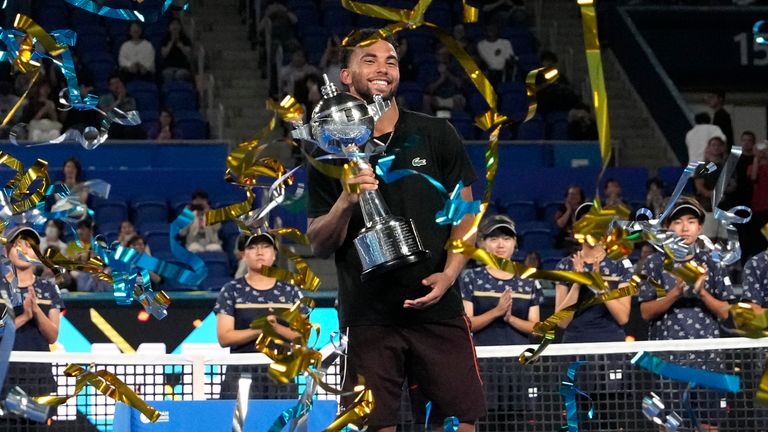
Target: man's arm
[[327, 232], [440, 282]]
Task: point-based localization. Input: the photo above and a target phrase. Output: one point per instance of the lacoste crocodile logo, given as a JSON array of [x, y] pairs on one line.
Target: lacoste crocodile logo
[[417, 162]]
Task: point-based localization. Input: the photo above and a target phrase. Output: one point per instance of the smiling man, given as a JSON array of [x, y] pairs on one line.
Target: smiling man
[[409, 322]]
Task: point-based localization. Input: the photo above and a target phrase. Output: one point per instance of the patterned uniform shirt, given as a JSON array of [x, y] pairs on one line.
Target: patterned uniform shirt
[[755, 280], [245, 303], [596, 324], [28, 336], [688, 317], [484, 290]]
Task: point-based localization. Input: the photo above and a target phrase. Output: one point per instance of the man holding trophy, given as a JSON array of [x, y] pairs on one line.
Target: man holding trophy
[[399, 304]]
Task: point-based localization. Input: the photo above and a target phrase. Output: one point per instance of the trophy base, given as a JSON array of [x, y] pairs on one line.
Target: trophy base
[[389, 244], [382, 268]]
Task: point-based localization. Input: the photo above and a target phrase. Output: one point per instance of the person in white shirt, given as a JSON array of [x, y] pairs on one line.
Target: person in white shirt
[[697, 138], [497, 55], [137, 55]]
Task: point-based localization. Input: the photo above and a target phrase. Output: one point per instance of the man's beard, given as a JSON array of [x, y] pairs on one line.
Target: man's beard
[[362, 89]]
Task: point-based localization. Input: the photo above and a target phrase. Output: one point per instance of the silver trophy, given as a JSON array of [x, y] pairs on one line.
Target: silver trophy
[[341, 124]]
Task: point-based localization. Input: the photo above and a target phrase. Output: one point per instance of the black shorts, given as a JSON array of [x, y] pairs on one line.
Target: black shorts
[[437, 358]]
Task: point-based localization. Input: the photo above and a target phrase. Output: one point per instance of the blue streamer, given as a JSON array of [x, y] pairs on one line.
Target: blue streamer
[[8, 334], [699, 377], [455, 207], [568, 391], [127, 14], [759, 36], [450, 424], [166, 269]]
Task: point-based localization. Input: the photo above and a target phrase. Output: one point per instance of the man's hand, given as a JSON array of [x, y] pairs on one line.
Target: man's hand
[[439, 283], [367, 181]]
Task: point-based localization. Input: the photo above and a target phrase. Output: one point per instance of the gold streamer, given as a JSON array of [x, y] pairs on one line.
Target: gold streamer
[[596, 79], [32, 29], [304, 279], [761, 395], [470, 13], [107, 384], [747, 322], [689, 272], [22, 199], [21, 100], [592, 228], [357, 412]]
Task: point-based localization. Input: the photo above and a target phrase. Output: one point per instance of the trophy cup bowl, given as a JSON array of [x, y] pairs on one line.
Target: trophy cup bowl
[[341, 123]]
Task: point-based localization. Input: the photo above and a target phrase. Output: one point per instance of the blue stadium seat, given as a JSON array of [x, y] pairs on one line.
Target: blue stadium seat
[[557, 125], [670, 175], [145, 93], [149, 209], [335, 15], [532, 130], [117, 27], [157, 239], [520, 211], [181, 99], [550, 209], [79, 17], [412, 93], [149, 119], [476, 103], [537, 224], [550, 258], [192, 124], [106, 211], [440, 14], [289, 219], [108, 227], [537, 239], [513, 100], [217, 263], [306, 14], [464, 125]]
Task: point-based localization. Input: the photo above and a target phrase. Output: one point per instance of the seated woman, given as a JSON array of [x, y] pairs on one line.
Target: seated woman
[[245, 299], [599, 323]]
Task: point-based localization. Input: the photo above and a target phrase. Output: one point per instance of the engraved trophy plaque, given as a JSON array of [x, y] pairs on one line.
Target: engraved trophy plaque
[[341, 124]]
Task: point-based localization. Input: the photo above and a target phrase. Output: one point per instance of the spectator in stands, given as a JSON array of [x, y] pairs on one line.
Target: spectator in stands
[[705, 186], [126, 232], [137, 243], [54, 230], [297, 70], [330, 62], [599, 323], [176, 50], [37, 304], [307, 92], [560, 97], [581, 123], [574, 196], [698, 137], [654, 197], [406, 62], [282, 21], [86, 282], [501, 307], [81, 119], [497, 56], [137, 55], [720, 117], [533, 260], [612, 193], [742, 196], [201, 237], [74, 179], [687, 311], [444, 93], [40, 113], [119, 98], [758, 174], [166, 129], [233, 322], [755, 282]]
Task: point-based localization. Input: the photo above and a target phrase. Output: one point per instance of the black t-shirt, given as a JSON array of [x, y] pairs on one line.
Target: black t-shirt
[[421, 143]]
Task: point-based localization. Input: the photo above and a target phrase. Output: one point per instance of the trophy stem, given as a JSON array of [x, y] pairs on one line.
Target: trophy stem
[[374, 209]]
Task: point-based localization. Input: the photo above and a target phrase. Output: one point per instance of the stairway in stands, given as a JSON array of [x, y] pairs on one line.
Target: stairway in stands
[[636, 139], [239, 85]]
